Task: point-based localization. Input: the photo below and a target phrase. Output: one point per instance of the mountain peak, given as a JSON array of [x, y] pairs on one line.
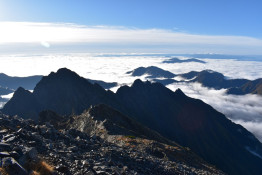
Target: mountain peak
[[22, 103], [65, 72], [21, 92], [20, 89], [179, 92], [151, 72], [137, 83]]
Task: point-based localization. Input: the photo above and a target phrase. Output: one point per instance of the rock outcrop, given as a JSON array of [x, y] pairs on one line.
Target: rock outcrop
[[28, 148]]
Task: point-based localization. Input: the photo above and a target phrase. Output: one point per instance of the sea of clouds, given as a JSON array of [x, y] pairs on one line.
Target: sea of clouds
[[245, 110]]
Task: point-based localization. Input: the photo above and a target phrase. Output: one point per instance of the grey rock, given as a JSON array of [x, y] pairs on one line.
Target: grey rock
[[12, 167], [14, 154], [3, 131], [5, 147], [10, 139], [71, 152], [32, 153], [4, 154], [62, 169], [73, 148]]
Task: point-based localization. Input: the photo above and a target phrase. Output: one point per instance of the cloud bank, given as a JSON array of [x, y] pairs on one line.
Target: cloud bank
[[48, 34]]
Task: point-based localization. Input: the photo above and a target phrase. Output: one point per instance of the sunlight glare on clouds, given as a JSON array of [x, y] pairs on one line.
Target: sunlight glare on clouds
[[22, 32], [66, 33], [45, 44]]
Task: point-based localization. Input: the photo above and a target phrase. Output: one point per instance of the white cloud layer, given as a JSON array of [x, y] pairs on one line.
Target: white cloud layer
[[65, 33], [113, 68]]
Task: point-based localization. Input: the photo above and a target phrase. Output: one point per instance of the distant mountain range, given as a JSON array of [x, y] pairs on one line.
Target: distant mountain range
[[236, 57], [217, 80], [207, 78], [177, 60], [5, 91], [212, 79], [187, 121], [16, 82], [9, 84], [250, 87]]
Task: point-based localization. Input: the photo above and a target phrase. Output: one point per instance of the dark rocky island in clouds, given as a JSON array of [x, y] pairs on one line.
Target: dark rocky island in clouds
[[250, 87], [177, 117], [151, 72], [207, 78], [15, 82], [216, 80], [177, 60], [212, 79]]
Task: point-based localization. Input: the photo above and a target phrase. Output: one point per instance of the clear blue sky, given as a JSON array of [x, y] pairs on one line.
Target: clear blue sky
[[169, 26], [212, 17]]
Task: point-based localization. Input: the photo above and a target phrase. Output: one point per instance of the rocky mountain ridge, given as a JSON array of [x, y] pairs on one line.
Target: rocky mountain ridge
[[30, 148], [187, 121]]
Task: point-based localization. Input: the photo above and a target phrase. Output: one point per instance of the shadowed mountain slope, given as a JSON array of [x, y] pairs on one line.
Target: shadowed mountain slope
[[187, 121], [192, 123], [105, 85], [23, 103], [103, 121], [42, 148], [64, 92]]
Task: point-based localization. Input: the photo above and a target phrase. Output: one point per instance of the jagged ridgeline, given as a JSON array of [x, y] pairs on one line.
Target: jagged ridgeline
[[177, 117]]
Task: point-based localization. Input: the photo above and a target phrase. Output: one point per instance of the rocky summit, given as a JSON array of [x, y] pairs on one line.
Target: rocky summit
[[31, 148]]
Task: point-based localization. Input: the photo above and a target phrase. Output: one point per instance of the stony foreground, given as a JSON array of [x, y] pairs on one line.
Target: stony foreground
[[30, 148]]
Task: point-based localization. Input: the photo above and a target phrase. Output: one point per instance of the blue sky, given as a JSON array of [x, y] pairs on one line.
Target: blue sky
[[241, 18]]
